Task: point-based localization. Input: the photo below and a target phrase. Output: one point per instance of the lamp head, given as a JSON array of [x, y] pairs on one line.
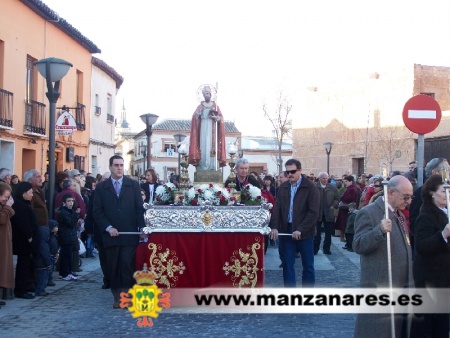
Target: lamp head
[[149, 119], [179, 138], [53, 69], [328, 146], [232, 148], [182, 149]]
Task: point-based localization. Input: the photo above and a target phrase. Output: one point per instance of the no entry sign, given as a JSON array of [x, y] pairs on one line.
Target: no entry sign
[[422, 114]]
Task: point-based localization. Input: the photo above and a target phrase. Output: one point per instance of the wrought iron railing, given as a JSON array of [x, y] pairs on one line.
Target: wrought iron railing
[[6, 108], [80, 116], [98, 110], [110, 118], [35, 118]]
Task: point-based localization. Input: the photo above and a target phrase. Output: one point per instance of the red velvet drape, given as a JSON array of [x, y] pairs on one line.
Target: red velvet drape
[[199, 260]]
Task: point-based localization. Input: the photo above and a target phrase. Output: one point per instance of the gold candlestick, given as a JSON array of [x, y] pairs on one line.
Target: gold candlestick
[[232, 178]]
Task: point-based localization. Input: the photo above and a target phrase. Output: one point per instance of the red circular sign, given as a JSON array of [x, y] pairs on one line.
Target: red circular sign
[[422, 114]]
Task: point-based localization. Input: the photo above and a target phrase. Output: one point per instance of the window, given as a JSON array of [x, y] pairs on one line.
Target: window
[[109, 112], [168, 146], [31, 78], [429, 94], [80, 116], [79, 86], [79, 162], [35, 116], [97, 108], [2, 62]]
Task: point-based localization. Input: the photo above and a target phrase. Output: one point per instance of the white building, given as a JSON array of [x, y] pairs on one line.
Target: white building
[[105, 85]]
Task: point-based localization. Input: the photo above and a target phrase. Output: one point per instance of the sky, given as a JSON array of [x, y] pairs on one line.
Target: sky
[[252, 49]]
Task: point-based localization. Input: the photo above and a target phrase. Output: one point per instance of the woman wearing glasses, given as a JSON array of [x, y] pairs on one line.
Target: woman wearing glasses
[[431, 264], [377, 190]]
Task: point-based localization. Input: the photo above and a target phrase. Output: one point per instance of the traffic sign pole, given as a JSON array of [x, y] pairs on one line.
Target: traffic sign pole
[[421, 114], [420, 158]]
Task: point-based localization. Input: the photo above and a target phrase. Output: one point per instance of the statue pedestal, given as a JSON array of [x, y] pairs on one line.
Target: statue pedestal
[[208, 176]]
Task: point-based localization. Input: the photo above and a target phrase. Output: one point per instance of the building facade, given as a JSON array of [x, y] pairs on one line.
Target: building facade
[[31, 31], [106, 83], [361, 115]]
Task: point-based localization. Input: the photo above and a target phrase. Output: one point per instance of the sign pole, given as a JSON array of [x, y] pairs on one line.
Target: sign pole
[[421, 115], [420, 158]]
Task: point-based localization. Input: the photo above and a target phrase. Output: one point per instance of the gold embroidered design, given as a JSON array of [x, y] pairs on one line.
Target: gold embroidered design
[[243, 266], [164, 265], [207, 218]]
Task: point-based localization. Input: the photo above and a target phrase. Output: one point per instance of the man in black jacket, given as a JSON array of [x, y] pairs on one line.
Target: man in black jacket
[[329, 201], [295, 213], [118, 207]]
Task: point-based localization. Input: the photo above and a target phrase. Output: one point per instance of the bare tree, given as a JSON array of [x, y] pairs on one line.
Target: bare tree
[[390, 140], [282, 125]]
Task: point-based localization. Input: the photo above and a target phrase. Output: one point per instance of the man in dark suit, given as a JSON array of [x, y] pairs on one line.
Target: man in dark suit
[[150, 185], [118, 207]]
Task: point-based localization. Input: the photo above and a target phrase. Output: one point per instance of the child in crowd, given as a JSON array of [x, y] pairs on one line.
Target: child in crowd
[[67, 237], [42, 263], [54, 248], [350, 228]]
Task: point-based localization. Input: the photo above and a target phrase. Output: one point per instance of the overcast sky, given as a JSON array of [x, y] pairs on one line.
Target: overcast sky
[[165, 49]]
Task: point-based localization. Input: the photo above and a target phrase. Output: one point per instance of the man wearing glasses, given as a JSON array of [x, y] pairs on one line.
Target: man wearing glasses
[[294, 219], [370, 243]]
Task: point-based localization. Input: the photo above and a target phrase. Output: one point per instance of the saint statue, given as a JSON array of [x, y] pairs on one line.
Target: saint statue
[[207, 135]]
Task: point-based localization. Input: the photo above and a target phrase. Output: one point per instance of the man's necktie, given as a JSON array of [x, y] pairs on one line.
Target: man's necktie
[[401, 220], [117, 187]]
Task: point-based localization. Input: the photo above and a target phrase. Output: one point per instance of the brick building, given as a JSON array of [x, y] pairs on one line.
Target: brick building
[[361, 114]]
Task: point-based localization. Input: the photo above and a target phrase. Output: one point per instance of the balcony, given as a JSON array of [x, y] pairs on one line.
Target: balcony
[[35, 118], [110, 118], [98, 110], [6, 109], [80, 116]]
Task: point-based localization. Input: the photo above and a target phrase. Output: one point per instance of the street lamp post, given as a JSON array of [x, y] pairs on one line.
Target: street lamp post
[[178, 139], [53, 70], [149, 120], [328, 146]]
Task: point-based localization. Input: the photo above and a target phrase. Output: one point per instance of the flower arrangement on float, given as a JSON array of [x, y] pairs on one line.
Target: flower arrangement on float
[[208, 192], [251, 195], [164, 194], [216, 195]]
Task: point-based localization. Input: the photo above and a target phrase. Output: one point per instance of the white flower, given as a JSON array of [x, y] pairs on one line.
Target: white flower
[[225, 193], [160, 190], [254, 192], [170, 185], [191, 193], [208, 195]]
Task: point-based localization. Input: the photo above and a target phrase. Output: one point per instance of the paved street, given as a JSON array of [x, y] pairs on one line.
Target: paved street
[[83, 309]]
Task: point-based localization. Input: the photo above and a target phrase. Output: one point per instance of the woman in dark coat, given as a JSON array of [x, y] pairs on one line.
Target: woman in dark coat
[[6, 253], [25, 232], [431, 266], [350, 195]]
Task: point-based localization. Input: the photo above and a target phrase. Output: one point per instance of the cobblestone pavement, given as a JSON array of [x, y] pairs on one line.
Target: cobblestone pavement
[[83, 309]]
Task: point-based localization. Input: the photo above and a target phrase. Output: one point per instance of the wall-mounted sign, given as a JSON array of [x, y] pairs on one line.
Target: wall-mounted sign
[[170, 152], [65, 125]]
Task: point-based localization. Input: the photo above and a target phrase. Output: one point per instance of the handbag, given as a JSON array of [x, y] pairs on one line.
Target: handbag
[[82, 249], [343, 206]]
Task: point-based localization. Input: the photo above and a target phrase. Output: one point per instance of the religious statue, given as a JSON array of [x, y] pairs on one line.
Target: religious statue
[[207, 139]]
